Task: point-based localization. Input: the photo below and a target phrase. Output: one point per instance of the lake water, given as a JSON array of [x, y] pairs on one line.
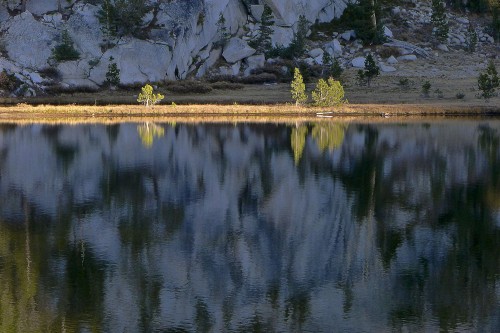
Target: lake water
[[317, 227]]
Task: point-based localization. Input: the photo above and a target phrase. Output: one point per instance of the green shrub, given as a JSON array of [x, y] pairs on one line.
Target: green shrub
[[298, 88], [426, 88], [388, 51], [50, 73], [188, 87], [488, 82], [224, 85], [404, 83], [439, 93], [328, 93], [259, 78], [147, 97], [8, 82], [460, 95], [65, 51]]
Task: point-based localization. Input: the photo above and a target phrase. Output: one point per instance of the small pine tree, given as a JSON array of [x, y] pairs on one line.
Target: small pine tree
[[122, 17], [65, 51], [113, 74], [147, 97], [489, 81], [263, 42], [328, 93], [222, 32], [438, 19], [298, 88], [471, 39], [371, 70], [336, 70], [298, 45]]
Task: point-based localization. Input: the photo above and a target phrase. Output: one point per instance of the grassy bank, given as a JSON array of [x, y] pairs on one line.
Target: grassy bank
[[208, 112]]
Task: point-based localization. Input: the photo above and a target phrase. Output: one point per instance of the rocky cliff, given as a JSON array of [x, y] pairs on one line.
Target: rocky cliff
[[176, 39], [180, 37]]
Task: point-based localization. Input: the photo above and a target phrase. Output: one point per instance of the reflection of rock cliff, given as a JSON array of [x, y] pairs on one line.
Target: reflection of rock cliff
[[217, 227]]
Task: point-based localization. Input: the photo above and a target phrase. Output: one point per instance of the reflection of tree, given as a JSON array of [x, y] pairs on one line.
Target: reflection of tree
[[298, 141], [148, 132], [328, 135], [19, 274]]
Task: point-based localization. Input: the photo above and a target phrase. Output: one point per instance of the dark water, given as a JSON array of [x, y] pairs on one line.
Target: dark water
[[250, 228]]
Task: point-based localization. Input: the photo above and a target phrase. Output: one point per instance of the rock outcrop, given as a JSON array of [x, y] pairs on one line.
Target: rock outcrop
[[180, 39], [182, 36]]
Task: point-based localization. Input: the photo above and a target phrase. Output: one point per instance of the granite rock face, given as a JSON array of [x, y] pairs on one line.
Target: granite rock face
[[182, 37]]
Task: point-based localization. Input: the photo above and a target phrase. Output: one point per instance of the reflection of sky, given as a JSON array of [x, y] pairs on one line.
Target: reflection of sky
[[251, 219]]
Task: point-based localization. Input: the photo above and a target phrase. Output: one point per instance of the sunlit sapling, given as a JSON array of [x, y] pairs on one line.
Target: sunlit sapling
[[328, 93], [147, 97], [489, 81], [298, 88], [263, 42], [439, 20]]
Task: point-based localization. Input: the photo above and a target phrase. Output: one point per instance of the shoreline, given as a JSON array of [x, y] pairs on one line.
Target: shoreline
[[23, 113]]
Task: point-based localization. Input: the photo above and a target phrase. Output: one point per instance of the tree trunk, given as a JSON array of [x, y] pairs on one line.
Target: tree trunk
[[373, 16]]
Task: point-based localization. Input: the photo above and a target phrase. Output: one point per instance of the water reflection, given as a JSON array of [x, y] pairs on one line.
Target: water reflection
[[311, 227], [148, 132]]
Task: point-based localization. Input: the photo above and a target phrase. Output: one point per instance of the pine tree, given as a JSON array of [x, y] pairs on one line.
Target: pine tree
[[113, 74], [222, 32], [439, 20], [489, 81], [471, 39], [65, 51], [336, 70], [298, 45], [263, 42], [298, 88], [371, 69]]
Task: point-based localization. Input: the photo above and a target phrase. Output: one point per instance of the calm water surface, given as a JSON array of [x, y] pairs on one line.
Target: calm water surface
[[320, 227]]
